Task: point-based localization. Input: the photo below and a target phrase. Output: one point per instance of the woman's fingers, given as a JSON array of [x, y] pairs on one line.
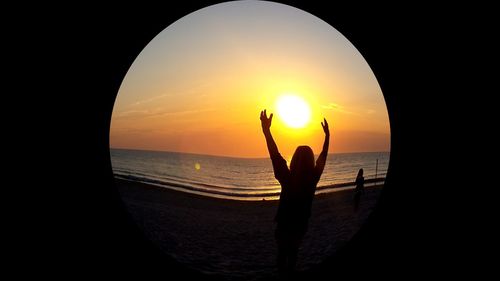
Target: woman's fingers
[[324, 123], [263, 115]]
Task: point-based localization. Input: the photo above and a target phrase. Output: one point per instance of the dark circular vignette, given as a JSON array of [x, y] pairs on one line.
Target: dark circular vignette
[[364, 30]]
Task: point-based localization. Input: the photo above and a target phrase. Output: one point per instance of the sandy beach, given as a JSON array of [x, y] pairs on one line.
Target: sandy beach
[[234, 240]]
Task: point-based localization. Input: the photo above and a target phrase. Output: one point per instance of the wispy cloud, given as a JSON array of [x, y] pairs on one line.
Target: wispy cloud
[[132, 130], [338, 108], [186, 112], [330, 106], [132, 113], [156, 113], [150, 99]]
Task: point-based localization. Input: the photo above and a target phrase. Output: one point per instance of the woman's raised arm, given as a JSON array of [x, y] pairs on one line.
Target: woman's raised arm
[[266, 129], [320, 163], [279, 164]]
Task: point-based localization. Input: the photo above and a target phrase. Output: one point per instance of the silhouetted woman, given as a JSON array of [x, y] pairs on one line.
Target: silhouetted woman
[[360, 188], [298, 185]]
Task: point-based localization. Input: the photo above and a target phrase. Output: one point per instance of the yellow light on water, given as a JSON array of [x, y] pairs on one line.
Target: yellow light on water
[[197, 166]]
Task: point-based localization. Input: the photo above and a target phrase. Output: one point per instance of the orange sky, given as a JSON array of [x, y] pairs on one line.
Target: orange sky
[[200, 84]]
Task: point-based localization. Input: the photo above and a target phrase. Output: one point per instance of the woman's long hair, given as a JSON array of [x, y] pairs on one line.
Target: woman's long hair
[[360, 173], [302, 164]]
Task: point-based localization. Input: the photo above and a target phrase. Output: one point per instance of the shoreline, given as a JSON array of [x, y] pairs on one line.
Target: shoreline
[[370, 183]]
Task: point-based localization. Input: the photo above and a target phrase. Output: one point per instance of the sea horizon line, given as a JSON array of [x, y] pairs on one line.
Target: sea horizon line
[[235, 157]]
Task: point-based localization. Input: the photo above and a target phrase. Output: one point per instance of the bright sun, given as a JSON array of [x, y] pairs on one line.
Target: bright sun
[[293, 110]]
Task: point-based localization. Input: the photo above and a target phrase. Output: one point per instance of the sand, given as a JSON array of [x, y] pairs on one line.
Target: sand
[[235, 239]]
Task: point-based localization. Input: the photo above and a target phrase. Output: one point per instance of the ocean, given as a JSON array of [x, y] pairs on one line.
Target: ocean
[[237, 178]]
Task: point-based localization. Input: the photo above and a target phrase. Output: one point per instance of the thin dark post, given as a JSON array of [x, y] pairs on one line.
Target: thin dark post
[[376, 171]]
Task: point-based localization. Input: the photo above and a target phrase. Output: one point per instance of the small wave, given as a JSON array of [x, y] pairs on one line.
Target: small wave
[[168, 180], [223, 191], [241, 193]]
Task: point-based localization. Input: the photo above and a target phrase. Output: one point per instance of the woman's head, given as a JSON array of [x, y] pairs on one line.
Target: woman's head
[[302, 161], [360, 172]]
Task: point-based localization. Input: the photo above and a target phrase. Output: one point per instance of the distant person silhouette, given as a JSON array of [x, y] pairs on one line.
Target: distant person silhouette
[[359, 190], [298, 185]]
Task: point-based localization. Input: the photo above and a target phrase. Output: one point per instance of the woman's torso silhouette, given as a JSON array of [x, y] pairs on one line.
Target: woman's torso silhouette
[[360, 182], [297, 190]]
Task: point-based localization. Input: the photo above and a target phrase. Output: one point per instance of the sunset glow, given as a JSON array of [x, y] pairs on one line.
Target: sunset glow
[[200, 84], [293, 110]]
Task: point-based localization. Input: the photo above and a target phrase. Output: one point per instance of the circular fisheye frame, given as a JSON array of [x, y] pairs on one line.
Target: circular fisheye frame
[[250, 139]]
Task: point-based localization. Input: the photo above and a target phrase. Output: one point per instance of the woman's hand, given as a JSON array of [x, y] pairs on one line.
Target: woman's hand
[[325, 127], [264, 121]]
